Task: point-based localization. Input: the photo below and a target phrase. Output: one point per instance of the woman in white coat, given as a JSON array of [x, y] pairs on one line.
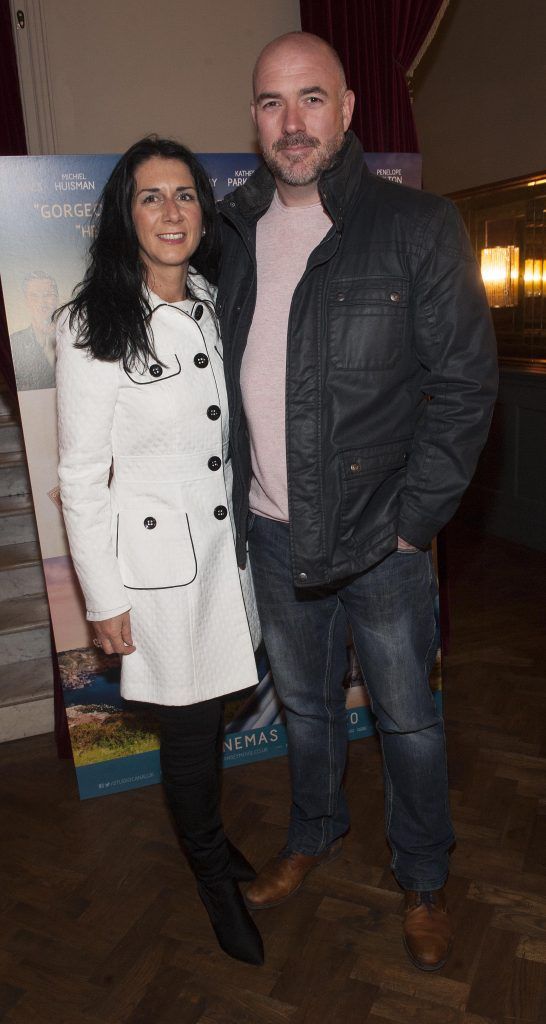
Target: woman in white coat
[[146, 484]]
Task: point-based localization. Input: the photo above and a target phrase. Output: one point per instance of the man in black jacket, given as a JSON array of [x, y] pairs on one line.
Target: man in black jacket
[[361, 370]]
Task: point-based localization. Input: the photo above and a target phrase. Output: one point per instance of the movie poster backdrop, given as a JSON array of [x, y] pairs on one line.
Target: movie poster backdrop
[[45, 229]]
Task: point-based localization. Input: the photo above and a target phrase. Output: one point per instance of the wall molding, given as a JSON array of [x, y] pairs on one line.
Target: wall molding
[[29, 33]]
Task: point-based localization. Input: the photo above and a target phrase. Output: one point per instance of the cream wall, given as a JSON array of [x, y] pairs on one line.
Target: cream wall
[[479, 94], [119, 69]]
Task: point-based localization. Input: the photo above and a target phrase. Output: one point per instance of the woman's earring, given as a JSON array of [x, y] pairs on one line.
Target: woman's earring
[[203, 233]]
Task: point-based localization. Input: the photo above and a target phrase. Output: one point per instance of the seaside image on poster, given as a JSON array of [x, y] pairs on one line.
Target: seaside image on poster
[[46, 229]]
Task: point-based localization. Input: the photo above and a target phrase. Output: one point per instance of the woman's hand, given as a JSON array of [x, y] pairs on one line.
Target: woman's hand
[[114, 635]]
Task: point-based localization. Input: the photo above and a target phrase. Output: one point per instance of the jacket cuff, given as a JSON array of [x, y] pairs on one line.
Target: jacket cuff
[[419, 534], [108, 613]]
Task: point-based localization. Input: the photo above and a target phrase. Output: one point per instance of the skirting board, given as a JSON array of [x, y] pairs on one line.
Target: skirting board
[[31, 718]]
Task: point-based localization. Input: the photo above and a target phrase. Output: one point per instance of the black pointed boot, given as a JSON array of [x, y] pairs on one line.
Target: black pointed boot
[[211, 857], [188, 753], [233, 926]]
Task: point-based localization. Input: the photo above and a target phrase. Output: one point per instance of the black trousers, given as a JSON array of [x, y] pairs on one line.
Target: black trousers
[[190, 747]]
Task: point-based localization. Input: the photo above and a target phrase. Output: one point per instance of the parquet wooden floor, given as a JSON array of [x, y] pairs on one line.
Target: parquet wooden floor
[[101, 924]]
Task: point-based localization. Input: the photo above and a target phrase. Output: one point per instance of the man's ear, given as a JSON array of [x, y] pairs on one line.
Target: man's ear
[[348, 105], [253, 112]]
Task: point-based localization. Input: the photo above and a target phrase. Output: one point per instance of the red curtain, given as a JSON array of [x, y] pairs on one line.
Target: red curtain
[[378, 42], [12, 143]]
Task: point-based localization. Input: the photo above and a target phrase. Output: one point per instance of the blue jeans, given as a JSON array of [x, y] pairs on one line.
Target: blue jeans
[[390, 609]]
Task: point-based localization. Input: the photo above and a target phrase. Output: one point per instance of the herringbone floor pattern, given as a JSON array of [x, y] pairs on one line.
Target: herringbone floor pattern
[[101, 923]]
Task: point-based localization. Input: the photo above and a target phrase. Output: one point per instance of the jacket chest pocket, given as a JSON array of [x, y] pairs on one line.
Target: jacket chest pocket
[[154, 373], [155, 549], [366, 322]]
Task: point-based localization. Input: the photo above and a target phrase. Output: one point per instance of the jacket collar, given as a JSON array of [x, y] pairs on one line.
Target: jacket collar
[[343, 179], [337, 186], [201, 289]]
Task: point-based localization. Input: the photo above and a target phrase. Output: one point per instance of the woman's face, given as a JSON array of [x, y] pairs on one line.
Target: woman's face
[[166, 214]]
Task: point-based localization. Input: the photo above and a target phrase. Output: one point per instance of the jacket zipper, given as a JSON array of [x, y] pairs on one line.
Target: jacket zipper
[[317, 263]]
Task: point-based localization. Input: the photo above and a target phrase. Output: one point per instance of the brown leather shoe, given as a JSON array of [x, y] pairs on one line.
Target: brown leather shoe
[[282, 876], [427, 931]]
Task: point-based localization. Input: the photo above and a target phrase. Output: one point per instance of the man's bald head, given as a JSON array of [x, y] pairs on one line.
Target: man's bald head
[[295, 43]]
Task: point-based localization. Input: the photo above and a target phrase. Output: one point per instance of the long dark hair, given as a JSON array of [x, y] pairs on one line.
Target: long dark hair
[[109, 310]]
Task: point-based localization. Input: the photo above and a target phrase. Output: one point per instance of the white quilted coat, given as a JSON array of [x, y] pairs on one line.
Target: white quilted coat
[[158, 538]]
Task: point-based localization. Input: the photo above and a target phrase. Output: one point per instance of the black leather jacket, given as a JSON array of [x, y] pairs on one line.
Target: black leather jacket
[[391, 368]]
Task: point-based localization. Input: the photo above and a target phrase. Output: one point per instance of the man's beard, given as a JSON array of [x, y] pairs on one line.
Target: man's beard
[[305, 168]]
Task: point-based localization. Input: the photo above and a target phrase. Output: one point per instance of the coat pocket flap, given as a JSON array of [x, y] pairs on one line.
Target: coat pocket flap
[[155, 549], [390, 293], [377, 458]]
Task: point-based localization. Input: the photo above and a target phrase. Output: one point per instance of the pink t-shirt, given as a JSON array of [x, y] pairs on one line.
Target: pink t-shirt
[[285, 238]]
